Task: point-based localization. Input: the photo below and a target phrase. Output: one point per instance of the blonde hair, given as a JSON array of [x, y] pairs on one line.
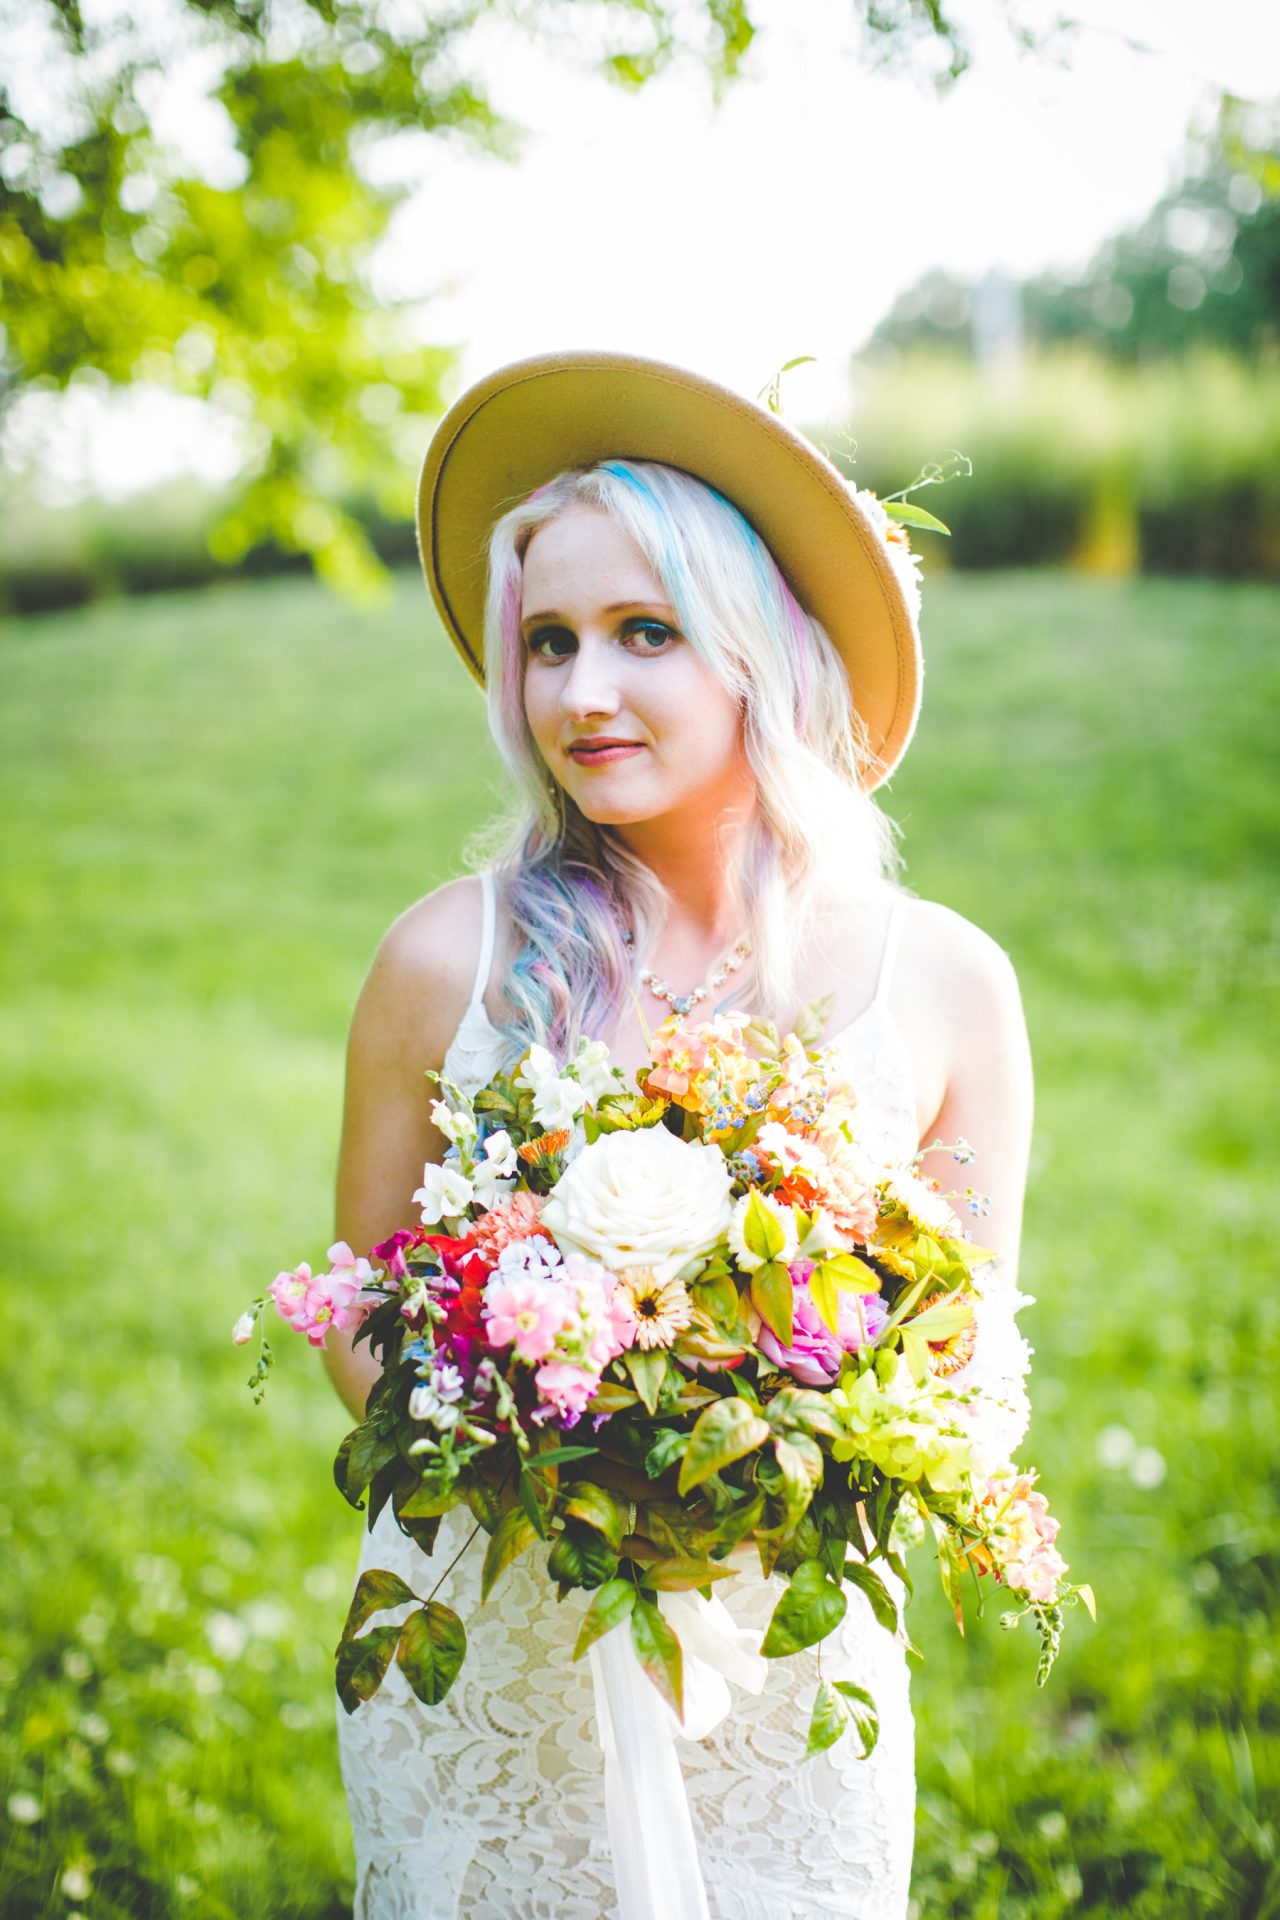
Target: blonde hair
[[570, 885]]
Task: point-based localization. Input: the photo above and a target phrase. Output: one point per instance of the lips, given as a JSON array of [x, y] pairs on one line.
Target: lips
[[603, 750]]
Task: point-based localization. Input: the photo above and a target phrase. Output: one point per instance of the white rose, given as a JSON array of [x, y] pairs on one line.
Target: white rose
[[643, 1199]]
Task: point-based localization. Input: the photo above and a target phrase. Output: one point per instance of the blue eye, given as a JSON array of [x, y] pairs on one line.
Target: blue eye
[[541, 641], [652, 632]]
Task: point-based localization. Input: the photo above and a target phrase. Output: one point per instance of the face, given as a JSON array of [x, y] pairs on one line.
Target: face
[[631, 722]]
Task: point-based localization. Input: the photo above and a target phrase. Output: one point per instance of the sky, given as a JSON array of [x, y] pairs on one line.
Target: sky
[[732, 238]]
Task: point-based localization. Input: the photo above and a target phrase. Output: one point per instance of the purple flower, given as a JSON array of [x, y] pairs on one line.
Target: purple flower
[[813, 1358]]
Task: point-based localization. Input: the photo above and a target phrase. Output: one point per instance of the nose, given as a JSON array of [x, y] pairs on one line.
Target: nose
[[589, 687]]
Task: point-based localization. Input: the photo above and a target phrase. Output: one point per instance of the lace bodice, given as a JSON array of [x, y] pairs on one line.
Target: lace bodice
[[490, 1806]]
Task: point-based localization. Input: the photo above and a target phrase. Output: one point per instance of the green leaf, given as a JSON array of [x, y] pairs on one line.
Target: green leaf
[[680, 1575], [580, 1558], [915, 1351], [340, 1466], [773, 1298], [658, 1652], [725, 1432], [669, 1445], [800, 1459], [761, 1229], [648, 1371], [513, 1534], [825, 1294], [805, 1408], [865, 1717], [915, 516], [828, 1721], [718, 1299], [812, 1607], [531, 1499], [860, 1575], [610, 1606], [433, 1646], [362, 1664], [595, 1507], [371, 1448], [948, 1566], [609, 1397], [375, 1590], [425, 1502], [485, 1503], [556, 1456]]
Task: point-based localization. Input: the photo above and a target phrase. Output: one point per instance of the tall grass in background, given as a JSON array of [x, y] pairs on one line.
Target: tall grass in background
[[1168, 467]]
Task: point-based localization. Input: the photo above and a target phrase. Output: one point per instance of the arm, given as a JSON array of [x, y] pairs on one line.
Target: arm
[[407, 1013], [988, 1096]]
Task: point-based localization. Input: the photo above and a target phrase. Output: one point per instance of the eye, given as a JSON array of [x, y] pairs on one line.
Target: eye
[[551, 643], [652, 634]]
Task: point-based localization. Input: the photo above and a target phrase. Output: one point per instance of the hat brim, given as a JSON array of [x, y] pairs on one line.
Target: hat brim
[[526, 423]]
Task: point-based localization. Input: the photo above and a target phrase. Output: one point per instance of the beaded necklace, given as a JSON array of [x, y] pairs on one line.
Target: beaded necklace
[[683, 1003]]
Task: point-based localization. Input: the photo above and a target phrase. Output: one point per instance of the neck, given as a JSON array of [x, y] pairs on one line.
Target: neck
[[695, 864]]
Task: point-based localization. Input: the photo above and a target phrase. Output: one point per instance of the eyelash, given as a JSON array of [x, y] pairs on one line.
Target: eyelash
[[631, 629]]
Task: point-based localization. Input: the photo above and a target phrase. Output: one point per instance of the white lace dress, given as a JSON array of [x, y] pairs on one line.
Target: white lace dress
[[490, 1806]]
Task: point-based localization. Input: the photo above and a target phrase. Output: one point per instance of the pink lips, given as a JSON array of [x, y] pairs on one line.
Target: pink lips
[[601, 751]]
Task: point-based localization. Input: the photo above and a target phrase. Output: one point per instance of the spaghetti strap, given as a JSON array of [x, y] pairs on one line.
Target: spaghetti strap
[[890, 952], [488, 928]]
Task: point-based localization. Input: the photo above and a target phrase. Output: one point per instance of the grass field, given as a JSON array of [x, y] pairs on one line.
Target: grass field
[[212, 807]]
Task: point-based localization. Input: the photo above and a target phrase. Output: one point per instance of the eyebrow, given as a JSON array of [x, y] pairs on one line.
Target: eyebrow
[[619, 606]]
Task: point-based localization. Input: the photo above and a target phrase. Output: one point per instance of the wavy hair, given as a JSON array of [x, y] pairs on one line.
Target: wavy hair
[[571, 885]]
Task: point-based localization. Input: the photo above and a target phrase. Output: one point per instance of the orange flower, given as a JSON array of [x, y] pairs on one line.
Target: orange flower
[[543, 1147]]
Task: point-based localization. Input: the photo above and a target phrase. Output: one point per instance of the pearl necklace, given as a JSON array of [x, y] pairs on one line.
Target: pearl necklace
[[683, 1003]]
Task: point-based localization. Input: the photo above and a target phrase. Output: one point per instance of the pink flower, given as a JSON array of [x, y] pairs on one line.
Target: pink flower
[[565, 1389], [524, 1313], [344, 1262], [313, 1304], [289, 1290], [813, 1358], [331, 1301]]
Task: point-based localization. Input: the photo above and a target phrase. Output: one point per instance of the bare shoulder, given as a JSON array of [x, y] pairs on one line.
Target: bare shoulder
[[419, 983], [954, 960]]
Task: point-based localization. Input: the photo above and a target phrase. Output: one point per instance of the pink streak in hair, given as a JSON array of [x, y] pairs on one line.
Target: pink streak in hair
[[800, 634]]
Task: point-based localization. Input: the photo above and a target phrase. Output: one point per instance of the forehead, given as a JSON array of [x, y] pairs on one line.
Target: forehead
[[584, 553]]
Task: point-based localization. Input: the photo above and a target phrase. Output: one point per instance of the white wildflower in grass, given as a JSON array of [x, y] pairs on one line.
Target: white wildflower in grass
[[24, 1809], [444, 1194]]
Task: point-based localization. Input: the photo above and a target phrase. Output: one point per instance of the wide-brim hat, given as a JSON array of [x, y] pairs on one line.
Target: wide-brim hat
[[845, 560]]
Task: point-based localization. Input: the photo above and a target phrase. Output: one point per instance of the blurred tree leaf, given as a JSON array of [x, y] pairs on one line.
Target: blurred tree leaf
[[119, 265]]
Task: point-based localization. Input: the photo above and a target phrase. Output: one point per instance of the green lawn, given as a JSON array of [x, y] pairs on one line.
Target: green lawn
[[213, 805]]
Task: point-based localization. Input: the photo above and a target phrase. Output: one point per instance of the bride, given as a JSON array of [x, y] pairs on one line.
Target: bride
[[700, 651]]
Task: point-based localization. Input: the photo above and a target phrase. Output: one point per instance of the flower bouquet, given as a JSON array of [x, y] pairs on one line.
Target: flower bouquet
[[652, 1328]]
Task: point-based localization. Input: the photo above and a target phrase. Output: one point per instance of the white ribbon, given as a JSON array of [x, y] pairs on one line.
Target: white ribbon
[[655, 1856]]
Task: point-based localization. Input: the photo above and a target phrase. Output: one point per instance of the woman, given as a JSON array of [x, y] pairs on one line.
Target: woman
[[700, 653]]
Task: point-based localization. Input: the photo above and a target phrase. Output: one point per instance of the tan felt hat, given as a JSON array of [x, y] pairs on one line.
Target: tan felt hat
[[846, 561]]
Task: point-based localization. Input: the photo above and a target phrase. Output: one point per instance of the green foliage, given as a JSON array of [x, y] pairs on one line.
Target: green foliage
[[224, 799], [1170, 467]]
